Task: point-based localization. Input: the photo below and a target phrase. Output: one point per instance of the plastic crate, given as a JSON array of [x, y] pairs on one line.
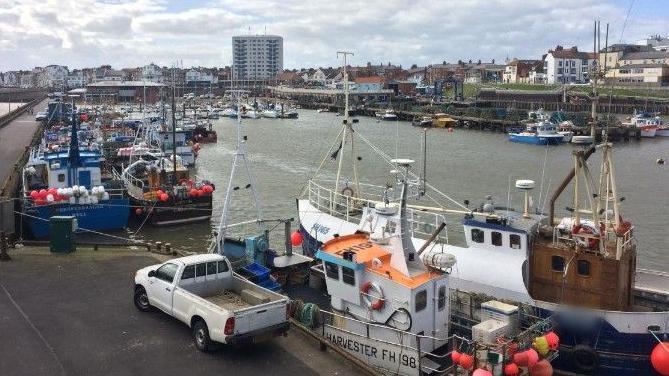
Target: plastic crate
[[257, 271]]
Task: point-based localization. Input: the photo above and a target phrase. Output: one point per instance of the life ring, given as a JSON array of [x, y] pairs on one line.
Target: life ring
[[624, 226], [187, 182], [348, 190], [590, 243], [373, 304], [584, 358]]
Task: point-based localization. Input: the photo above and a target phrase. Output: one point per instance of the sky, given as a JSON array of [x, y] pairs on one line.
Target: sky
[[89, 33]]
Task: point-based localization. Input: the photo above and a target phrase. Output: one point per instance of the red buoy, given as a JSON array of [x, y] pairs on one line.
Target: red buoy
[[164, 197], [138, 211], [481, 372], [553, 340], [532, 357], [296, 238], [511, 369], [455, 356], [542, 368], [193, 192], [520, 358], [34, 194], [659, 358], [466, 361]]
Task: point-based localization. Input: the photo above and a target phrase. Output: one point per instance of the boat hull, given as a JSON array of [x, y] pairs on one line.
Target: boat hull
[[662, 132], [108, 215], [190, 210], [535, 140], [648, 131]]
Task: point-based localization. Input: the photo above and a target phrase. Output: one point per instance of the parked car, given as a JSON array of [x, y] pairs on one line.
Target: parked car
[[220, 306]]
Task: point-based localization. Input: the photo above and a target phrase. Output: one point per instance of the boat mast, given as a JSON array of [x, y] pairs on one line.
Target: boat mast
[[347, 132], [174, 135], [240, 153]]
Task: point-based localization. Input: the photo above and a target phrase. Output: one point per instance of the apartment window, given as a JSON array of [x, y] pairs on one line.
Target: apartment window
[[478, 236], [514, 240], [583, 268], [557, 263], [332, 270], [496, 238], [560, 63], [560, 70], [421, 300], [348, 275]]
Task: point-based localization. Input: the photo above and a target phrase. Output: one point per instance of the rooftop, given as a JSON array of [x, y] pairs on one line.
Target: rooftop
[[124, 84]]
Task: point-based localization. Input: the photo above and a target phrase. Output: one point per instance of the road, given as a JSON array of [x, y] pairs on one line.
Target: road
[[73, 315], [15, 137]]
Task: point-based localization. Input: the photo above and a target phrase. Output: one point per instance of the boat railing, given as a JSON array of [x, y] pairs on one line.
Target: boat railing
[[134, 186], [422, 223]]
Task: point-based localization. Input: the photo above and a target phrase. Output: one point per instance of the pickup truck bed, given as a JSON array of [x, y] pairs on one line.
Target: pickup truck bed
[[228, 300]]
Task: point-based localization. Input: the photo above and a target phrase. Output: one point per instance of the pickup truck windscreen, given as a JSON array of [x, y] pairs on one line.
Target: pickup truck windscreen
[[167, 272]]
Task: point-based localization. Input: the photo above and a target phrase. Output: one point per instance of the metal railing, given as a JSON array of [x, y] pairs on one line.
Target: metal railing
[[422, 223]]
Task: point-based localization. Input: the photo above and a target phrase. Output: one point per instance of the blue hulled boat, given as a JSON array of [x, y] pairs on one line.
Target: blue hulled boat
[[64, 180], [542, 133]]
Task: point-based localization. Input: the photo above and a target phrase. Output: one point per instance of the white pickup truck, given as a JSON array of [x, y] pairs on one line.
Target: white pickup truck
[[218, 305]]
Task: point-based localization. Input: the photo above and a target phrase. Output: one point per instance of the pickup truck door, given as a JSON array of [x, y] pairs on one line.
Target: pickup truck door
[[161, 287]]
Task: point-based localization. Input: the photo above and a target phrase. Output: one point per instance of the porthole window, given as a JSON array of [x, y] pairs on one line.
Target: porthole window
[[557, 263]]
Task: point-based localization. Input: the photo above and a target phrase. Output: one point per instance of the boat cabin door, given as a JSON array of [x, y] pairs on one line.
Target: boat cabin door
[[84, 178]]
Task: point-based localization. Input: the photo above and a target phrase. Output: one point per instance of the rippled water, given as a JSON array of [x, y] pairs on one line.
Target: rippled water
[[465, 164]]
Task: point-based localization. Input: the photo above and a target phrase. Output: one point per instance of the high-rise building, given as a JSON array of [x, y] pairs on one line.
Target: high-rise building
[[256, 57]]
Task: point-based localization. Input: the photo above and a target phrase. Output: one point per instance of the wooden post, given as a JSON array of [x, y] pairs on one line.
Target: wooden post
[[159, 247]]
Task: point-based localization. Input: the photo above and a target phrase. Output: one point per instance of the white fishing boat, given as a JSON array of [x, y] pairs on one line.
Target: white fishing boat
[[387, 115], [522, 257], [270, 113], [647, 123]]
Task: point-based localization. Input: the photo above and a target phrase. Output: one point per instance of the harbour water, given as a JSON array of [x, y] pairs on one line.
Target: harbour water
[[465, 164]]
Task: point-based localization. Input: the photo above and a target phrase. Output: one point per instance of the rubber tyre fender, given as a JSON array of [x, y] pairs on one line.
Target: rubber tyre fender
[[584, 359]]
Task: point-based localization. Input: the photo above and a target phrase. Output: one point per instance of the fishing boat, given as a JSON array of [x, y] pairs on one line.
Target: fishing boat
[[609, 327], [425, 121], [387, 115], [542, 133], [62, 180], [229, 112], [442, 120], [160, 187], [269, 113], [647, 123]]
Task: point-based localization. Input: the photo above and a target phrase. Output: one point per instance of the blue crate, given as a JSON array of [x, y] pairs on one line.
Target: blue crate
[[257, 271]]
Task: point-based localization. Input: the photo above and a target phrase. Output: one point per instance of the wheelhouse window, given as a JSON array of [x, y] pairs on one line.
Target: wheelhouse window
[[583, 268], [421, 300], [514, 240], [348, 275], [478, 236], [441, 299], [557, 263], [167, 272], [496, 238], [61, 178], [332, 270]]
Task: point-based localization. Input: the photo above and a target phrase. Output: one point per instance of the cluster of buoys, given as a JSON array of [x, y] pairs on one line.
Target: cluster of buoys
[[464, 360], [204, 190], [74, 195], [659, 358], [531, 358]]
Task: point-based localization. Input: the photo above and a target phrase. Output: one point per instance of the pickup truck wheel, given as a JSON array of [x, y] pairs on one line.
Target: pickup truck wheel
[[201, 336], [142, 299]]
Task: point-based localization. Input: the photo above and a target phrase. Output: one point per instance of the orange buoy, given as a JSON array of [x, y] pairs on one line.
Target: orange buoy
[[659, 358]]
